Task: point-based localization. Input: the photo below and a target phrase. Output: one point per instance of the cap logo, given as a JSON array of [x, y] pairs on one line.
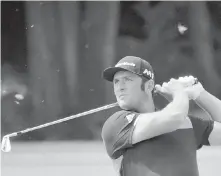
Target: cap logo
[[125, 63], [148, 73]]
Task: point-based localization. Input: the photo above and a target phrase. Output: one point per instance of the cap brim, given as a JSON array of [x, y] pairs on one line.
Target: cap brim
[[109, 73]]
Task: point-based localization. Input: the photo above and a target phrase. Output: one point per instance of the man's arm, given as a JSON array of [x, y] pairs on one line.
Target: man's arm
[[149, 125], [212, 105], [117, 132], [207, 102], [211, 131], [215, 135]]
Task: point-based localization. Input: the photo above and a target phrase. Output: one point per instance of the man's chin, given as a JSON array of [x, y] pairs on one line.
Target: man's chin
[[123, 105]]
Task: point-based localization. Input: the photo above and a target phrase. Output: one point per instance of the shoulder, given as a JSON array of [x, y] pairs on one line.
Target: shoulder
[[118, 119], [118, 116]]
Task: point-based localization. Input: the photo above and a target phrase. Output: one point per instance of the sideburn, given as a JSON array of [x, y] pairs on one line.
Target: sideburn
[[142, 86], [144, 80]]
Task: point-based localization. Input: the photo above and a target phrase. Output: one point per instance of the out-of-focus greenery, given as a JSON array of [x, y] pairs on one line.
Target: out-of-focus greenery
[[53, 53]]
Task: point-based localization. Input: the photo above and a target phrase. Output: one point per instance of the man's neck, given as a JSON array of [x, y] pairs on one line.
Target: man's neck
[[148, 106]]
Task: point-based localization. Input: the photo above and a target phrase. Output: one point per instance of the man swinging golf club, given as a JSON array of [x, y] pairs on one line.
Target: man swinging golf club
[[143, 141]]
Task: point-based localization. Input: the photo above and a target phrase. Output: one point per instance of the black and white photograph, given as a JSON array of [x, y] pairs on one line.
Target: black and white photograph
[[110, 88]]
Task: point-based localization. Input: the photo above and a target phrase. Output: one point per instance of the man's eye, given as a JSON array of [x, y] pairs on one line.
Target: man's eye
[[128, 79], [116, 81]]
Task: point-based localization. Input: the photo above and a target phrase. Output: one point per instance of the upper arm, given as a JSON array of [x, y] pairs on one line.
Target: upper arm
[[150, 125], [215, 135], [117, 133]]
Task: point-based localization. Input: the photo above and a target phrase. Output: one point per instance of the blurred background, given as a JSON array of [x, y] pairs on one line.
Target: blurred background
[[53, 54]]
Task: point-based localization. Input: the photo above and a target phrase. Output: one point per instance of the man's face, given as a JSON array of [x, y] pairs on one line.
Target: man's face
[[127, 89]]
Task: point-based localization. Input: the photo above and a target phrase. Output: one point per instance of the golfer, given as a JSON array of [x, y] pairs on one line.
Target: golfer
[[143, 141]]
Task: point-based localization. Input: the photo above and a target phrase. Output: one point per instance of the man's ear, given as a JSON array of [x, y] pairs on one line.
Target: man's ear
[[149, 85]]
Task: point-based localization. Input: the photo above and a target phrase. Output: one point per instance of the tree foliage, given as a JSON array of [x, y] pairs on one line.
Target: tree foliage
[[68, 44]]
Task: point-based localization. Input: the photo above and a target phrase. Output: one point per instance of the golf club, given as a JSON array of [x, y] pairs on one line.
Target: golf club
[[6, 145]]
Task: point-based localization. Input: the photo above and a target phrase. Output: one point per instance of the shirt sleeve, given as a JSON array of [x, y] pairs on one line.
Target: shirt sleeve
[[202, 128], [117, 133]]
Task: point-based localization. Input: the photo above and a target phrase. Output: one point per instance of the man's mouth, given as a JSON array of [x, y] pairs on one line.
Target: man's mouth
[[122, 96]]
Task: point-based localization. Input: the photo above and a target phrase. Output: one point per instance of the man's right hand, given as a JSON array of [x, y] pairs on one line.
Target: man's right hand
[[168, 90]]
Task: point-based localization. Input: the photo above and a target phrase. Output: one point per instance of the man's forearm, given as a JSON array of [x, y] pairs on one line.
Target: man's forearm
[[210, 104], [179, 107], [148, 125]]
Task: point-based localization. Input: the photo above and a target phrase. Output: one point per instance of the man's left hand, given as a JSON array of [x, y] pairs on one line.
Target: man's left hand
[[190, 85], [193, 86]]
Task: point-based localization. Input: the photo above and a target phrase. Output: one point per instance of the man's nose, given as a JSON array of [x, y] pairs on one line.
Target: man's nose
[[121, 85]]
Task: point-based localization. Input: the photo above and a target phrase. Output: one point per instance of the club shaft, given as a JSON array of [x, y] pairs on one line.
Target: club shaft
[[64, 119]]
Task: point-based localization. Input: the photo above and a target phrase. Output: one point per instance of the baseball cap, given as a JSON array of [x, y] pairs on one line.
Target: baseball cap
[[132, 64]]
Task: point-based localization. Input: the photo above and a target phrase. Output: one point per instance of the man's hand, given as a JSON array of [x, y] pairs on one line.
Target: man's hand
[[168, 89], [189, 84], [193, 87]]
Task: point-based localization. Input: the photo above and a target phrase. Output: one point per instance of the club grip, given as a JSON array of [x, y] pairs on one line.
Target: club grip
[[195, 81]]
